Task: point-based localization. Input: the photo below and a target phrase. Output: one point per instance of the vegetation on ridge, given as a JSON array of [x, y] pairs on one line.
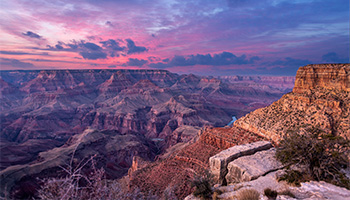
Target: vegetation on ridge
[[314, 156]]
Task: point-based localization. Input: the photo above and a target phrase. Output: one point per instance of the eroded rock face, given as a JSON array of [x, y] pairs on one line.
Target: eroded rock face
[[327, 76], [251, 167], [56, 104], [320, 99], [218, 163]]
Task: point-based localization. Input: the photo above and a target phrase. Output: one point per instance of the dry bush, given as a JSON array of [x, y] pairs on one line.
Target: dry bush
[[321, 155], [271, 194], [248, 194], [77, 185], [203, 186]]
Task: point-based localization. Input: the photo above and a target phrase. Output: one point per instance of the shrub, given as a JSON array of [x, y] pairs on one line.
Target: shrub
[[78, 185], [202, 186], [271, 194], [248, 194], [322, 156], [293, 177]]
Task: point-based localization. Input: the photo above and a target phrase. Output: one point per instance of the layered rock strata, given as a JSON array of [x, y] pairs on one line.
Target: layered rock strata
[[320, 101], [327, 76]]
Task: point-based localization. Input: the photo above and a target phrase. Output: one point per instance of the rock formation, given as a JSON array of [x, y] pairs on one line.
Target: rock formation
[[320, 100], [218, 163], [327, 76], [251, 167]]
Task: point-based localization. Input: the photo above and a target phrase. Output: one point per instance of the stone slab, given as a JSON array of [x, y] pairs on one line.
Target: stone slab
[[251, 167], [218, 163]]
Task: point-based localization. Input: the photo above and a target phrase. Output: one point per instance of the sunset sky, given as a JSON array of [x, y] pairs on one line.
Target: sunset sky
[[205, 37]]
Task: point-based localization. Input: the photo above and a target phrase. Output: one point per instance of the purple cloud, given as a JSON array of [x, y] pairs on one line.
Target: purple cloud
[[32, 35], [135, 62], [132, 48], [221, 59]]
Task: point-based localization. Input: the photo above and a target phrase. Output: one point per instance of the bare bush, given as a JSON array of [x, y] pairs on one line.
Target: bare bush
[[77, 185], [202, 185], [248, 194]]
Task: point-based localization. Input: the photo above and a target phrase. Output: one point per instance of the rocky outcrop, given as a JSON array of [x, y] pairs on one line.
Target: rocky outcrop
[[320, 100], [261, 171], [218, 163], [327, 76], [251, 167], [137, 163]]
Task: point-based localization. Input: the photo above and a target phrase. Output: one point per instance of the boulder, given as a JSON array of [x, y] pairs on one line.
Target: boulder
[[251, 167], [218, 163]]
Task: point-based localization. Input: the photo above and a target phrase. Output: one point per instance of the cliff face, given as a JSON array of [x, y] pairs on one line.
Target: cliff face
[[327, 76], [320, 99]]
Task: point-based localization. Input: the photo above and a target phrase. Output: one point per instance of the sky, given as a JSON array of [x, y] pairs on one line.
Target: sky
[[204, 37]]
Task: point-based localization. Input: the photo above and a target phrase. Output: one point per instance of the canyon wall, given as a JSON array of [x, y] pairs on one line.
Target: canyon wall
[[320, 100], [326, 76]]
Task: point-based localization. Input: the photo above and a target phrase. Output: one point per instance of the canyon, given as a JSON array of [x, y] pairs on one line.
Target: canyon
[[155, 111], [173, 126]]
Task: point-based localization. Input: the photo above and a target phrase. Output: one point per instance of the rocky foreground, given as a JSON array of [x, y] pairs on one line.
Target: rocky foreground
[[254, 166]]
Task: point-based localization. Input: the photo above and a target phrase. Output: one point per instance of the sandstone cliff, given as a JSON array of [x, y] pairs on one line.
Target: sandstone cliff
[[320, 100]]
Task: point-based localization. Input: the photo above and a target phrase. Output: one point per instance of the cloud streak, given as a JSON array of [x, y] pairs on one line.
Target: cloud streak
[[15, 64], [221, 59]]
